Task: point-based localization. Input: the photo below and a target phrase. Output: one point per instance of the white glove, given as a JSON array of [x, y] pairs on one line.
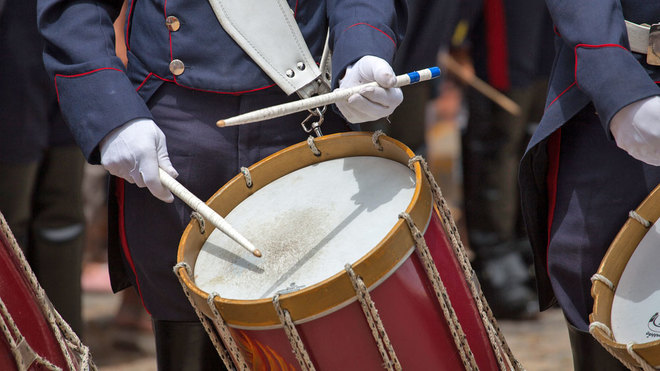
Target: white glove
[[134, 151], [370, 103], [636, 129]]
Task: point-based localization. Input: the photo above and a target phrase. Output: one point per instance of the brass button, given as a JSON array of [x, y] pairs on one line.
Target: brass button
[[172, 23], [177, 67]]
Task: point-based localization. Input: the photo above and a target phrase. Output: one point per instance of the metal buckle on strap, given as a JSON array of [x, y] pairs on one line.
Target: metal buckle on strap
[[645, 39], [653, 53]]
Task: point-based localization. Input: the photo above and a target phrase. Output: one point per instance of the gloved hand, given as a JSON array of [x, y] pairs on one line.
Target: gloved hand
[[371, 103], [636, 129], [134, 151]]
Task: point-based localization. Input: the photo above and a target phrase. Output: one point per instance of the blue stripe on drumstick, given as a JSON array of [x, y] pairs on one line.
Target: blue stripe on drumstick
[[324, 99], [414, 77]]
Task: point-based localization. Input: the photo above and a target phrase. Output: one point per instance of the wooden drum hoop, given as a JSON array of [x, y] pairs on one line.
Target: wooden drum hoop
[[334, 293], [645, 355]]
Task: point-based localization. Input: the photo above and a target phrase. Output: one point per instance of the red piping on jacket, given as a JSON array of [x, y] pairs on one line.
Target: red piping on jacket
[[375, 28], [554, 144], [122, 237], [202, 90], [57, 92], [592, 47], [128, 21], [560, 94]]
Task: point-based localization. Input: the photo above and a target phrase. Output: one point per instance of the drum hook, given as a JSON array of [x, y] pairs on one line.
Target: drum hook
[[316, 125]]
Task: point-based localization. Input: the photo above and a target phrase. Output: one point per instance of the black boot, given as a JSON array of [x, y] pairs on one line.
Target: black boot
[[588, 354], [185, 346]]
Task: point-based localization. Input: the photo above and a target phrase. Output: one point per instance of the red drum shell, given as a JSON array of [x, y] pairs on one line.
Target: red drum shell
[[18, 295], [411, 316], [337, 336]]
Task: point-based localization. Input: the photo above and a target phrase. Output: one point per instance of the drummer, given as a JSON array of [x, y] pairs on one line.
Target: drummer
[[594, 156], [184, 73]]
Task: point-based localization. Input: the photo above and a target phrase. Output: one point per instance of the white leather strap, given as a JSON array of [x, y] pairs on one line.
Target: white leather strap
[[267, 31], [638, 37]]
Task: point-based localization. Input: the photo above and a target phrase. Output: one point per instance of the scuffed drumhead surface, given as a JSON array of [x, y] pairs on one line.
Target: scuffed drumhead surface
[[308, 225], [636, 303]]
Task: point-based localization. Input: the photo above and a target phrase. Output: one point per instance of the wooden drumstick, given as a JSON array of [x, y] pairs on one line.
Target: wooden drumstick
[[324, 99], [480, 85], [209, 214]]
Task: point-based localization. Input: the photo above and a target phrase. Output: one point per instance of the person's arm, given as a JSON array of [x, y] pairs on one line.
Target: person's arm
[[364, 27], [93, 91], [364, 35], [109, 120], [605, 68]]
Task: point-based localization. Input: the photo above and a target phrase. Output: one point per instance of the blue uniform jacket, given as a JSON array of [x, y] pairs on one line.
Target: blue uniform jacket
[[593, 64], [97, 94]]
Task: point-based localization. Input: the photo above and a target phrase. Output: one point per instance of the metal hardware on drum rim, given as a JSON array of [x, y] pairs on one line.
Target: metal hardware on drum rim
[[316, 125], [292, 288]]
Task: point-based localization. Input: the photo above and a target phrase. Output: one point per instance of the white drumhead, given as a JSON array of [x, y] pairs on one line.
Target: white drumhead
[[636, 303], [308, 225]]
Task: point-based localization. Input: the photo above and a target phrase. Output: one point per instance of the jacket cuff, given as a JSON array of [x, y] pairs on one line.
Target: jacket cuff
[[91, 111], [372, 40], [612, 77]]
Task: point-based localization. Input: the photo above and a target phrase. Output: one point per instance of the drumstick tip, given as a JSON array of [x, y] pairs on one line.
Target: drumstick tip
[[220, 123], [257, 253]]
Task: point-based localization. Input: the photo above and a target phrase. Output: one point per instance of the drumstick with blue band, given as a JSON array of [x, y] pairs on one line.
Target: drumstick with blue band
[[325, 99], [209, 214]]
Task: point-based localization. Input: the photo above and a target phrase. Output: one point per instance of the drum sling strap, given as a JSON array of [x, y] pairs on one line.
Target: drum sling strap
[[267, 31]]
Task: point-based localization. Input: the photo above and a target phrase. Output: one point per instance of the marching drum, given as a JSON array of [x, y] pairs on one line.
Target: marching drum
[[625, 318], [362, 267], [34, 336]]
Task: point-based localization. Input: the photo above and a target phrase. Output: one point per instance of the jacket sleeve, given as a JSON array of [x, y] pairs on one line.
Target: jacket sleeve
[[364, 27], [93, 91], [605, 68]]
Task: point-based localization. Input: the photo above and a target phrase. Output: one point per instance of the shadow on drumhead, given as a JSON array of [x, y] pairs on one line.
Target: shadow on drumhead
[[309, 224], [232, 258], [367, 181], [374, 189]]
